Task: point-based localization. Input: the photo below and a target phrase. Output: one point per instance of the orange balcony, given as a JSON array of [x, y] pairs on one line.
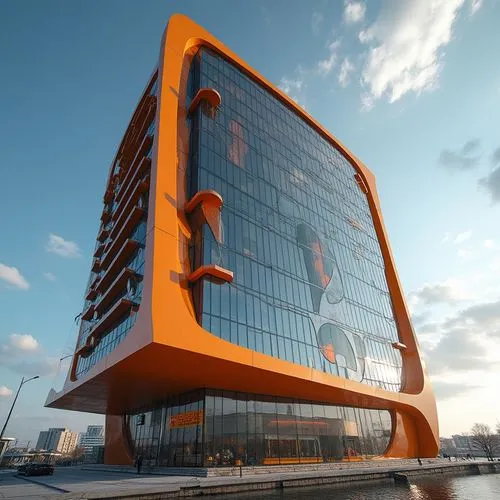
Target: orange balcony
[[108, 195], [112, 316], [139, 125], [211, 272], [206, 95], [119, 283], [106, 322], [103, 234], [139, 157], [96, 265], [205, 208], [89, 313], [92, 293], [135, 183], [124, 253], [105, 216], [120, 233], [99, 250]]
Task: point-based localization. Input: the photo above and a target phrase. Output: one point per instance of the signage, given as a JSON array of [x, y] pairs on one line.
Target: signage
[[186, 419]]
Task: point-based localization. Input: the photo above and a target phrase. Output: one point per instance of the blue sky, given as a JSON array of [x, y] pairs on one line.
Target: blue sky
[[411, 87]]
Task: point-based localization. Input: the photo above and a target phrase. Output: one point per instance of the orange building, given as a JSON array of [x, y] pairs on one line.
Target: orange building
[[243, 305]]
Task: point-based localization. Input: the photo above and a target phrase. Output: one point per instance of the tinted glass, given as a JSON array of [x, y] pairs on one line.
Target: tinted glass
[[309, 281]]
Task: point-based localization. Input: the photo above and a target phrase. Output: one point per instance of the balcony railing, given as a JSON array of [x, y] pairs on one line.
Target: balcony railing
[[120, 233], [121, 257]]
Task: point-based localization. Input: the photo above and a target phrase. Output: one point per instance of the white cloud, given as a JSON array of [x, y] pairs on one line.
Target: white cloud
[[345, 70], [13, 277], [367, 101], [475, 5], [295, 86], [354, 12], [24, 342], [492, 181], [464, 254], [23, 354], [406, 44], [62, 247], [289, 86], [316, 22], [446, 237], [49, 276], [450, 291], [266, 15], [489, 244], [461, 237], [5, 391], [325, 66], [460, 160]]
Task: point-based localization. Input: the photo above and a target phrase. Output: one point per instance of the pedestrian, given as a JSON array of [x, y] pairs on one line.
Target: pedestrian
[[419, 461], [138, 464]]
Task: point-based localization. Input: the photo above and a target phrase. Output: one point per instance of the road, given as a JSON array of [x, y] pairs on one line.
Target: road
[[73, 479], [12, 487]]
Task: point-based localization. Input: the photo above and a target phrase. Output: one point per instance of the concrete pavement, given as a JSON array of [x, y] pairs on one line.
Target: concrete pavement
[[100, 484]]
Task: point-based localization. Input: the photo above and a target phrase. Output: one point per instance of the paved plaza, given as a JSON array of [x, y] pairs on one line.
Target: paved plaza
[[78, 483]]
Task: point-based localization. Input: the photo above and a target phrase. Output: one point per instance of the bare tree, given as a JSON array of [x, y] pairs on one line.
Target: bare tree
[[483, 438]]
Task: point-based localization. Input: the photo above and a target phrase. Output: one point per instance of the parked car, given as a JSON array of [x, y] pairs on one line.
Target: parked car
[[34, 469]]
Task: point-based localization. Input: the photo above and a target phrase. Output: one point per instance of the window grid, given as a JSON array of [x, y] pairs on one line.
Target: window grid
[[275, 174]]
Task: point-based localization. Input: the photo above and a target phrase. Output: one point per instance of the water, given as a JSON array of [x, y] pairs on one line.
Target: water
[[485, 487]]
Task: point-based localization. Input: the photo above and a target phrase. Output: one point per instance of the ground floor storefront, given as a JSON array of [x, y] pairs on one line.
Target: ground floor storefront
[[220, 428]]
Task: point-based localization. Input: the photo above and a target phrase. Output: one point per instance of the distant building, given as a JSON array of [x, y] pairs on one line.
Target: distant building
[[58, 439], [42, 440], [464, 445], [92, 438], [5, 443], [447, 446]]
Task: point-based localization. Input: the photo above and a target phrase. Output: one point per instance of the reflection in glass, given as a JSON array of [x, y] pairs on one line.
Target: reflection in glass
[[309, 279], [220, 428]]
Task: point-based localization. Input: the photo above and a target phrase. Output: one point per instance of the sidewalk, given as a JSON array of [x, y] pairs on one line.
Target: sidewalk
[[75, 483]]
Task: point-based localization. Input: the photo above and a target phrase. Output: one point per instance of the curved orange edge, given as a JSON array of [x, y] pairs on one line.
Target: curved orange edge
[[414, 408], [166, 324]]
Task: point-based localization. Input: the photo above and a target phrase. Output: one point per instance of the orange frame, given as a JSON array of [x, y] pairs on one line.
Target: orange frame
[[168, 352]]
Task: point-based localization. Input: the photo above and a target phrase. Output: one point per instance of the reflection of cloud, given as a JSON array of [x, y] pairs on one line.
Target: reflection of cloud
[[13, 277]]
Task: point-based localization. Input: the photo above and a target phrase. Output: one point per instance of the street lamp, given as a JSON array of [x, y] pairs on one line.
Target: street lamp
[[14, 402]]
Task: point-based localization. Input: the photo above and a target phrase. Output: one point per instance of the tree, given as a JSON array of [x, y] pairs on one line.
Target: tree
[[483, 438], [77, 454]]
